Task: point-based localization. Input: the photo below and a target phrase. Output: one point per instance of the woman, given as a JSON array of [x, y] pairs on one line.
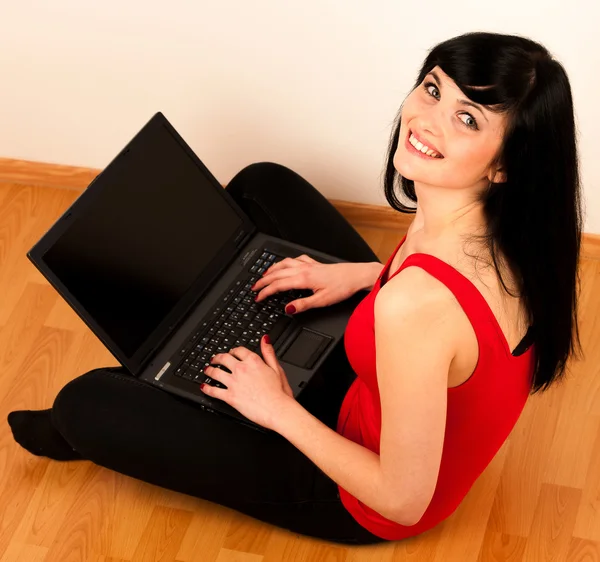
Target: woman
[[485, 147]]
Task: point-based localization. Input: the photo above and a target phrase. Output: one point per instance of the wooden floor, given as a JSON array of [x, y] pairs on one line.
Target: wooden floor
[[539, 500]]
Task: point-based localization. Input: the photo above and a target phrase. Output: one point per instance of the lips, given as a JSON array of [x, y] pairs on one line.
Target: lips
[[424, 142]]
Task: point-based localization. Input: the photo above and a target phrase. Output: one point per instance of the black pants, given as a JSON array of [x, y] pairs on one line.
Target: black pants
[[118, 422]]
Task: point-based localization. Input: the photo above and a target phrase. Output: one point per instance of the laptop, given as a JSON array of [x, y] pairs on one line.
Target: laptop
[[158, 260]]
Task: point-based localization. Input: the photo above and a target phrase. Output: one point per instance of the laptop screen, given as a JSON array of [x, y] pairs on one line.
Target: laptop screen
[[138, 247]]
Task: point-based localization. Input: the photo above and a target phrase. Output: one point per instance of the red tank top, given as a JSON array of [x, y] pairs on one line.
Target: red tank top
[[481, 412]]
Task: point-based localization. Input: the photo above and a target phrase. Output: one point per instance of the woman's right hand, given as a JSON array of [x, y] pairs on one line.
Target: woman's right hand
[[330, 283]]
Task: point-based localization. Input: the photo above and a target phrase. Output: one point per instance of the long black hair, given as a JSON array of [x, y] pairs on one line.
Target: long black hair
[[535, 218]]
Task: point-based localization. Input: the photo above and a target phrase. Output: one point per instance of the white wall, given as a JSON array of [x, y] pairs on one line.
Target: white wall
[[312, 84]]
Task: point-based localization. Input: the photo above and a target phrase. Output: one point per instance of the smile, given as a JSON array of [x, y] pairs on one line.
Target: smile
[[419, 148]]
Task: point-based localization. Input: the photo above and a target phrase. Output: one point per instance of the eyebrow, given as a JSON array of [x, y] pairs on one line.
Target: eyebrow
[[462, 102]]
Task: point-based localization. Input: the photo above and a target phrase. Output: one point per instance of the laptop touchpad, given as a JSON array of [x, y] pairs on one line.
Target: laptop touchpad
[[306, 349]]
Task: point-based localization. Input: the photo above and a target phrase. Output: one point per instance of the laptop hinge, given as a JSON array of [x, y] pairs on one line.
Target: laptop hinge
[[240, 237]]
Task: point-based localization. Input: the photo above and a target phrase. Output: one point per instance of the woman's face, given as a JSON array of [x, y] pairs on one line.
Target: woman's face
[[468, 138]]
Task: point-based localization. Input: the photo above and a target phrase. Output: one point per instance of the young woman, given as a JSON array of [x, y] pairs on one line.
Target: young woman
[[438, 359]]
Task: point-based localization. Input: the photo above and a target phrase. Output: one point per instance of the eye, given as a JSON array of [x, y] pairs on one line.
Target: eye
[[473, 124], [428, 85]]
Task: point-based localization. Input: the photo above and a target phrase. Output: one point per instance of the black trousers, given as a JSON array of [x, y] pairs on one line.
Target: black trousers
[[119, 422]]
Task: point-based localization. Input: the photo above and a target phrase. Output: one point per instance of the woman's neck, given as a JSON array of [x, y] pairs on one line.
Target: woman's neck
[[445, 216]]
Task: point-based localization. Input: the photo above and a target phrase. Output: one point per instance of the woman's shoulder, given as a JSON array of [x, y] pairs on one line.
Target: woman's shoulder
[[417, 297]]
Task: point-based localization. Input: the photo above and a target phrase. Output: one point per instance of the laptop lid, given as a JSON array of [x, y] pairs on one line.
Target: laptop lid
[[143, 243]]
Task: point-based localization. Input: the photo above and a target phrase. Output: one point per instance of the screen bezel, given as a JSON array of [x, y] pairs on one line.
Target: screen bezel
[[136, 363]]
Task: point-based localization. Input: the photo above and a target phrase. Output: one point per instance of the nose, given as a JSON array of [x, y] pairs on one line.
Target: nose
[[430, 122]]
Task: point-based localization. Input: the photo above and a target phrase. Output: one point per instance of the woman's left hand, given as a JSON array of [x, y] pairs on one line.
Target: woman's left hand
[[254, 386]]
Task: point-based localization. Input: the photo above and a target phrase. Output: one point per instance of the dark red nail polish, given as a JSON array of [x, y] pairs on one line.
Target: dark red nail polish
[[202, 386], [267, 340], [290, 309]]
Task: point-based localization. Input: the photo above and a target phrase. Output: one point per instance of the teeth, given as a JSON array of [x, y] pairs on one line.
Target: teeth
[[421, 147]]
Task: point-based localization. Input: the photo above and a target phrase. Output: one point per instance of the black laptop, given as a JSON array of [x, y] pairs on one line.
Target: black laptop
[[158, 260]]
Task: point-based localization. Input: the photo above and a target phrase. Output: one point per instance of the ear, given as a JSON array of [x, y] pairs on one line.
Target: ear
[[497, 175]]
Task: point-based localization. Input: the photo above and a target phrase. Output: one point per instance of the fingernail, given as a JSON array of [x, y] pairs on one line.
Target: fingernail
[[290, 309], [202, 386], [267, 339]]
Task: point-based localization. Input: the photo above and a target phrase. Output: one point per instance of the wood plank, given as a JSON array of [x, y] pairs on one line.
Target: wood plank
[[581, 550], [553, 524], [163, 534], [21, 552], [27, 172]]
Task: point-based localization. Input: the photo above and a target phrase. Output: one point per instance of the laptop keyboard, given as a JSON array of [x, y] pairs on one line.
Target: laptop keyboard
[[237, 320]]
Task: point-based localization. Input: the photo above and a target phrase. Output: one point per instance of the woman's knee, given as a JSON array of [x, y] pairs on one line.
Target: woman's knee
[[85, 398], [260, 169], [261, 176]]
